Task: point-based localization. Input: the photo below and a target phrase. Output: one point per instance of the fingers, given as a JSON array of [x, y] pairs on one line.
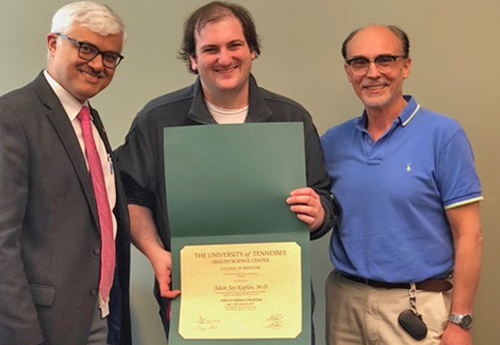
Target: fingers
[[305, 196], [306, 203], [169, 293], [162, 269], [306, 219], [164, 282], [303, 191], [304, 200], [305, 211]]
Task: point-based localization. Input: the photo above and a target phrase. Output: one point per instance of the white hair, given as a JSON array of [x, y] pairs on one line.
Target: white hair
[[98, 18]]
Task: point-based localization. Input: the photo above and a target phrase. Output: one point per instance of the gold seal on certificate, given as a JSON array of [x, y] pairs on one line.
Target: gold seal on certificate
[[241, 291]]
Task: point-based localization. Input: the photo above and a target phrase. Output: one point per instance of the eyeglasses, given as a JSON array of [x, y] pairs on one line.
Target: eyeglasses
[[89, 52], [384, 63]]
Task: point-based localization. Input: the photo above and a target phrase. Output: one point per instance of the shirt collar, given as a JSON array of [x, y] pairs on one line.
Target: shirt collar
[[258, 111], [406, 115], [409, 111], [70, 104]]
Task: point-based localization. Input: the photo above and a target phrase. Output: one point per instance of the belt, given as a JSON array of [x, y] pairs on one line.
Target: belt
[[433, 285]]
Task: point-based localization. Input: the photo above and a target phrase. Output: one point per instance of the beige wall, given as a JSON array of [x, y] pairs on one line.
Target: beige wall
[[456, 70]]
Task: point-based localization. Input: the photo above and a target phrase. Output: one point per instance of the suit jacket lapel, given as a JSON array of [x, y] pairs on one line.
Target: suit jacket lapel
[[59, 119]]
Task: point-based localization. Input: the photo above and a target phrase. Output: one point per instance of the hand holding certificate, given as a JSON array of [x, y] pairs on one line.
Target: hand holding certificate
[[238, 252]]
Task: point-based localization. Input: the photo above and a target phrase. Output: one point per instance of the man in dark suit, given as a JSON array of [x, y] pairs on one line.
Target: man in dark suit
[[64, 233]]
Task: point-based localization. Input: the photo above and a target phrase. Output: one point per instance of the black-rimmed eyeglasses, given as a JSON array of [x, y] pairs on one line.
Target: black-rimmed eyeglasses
[[384, 63], [89, 52]]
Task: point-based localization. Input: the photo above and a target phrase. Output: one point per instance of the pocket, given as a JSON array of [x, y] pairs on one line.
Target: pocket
[[434, 307], [43, 295]]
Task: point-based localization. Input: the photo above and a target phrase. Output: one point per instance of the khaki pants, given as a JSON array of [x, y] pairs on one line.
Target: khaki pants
[[357, 314]]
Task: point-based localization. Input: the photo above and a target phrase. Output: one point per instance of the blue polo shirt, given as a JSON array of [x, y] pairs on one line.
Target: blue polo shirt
[[394, 194]]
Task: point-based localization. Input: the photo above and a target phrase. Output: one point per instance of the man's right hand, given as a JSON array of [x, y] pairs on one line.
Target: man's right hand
[[145, 237], [162, 266]]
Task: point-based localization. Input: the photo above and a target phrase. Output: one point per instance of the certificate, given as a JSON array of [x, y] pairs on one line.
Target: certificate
[[241, 291], [239, 255]]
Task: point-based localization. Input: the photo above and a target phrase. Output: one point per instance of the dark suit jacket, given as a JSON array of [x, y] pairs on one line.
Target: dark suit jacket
[[49, 232]]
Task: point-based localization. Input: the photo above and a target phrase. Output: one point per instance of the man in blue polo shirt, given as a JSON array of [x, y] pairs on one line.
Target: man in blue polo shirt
[[410, 228]]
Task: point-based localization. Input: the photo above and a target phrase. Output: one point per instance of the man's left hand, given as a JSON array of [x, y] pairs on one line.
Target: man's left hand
[[306, 203]]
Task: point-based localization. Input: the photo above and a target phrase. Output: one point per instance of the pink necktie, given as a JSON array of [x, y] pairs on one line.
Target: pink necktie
[[103, 209]]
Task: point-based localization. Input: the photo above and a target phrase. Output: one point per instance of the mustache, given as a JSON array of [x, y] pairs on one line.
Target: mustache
[[91, 71]]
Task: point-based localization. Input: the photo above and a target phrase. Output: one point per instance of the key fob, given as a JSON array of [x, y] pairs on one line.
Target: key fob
[[413, 324]]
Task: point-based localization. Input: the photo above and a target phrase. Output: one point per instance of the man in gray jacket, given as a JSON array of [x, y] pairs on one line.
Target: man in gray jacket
[[64, 231]]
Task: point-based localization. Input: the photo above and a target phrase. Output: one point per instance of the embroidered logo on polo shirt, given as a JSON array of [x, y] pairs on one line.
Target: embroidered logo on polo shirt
[[408, 167]]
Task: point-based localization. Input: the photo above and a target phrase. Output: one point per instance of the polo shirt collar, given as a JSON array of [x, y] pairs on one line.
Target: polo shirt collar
[[409, 111], [407, 114]]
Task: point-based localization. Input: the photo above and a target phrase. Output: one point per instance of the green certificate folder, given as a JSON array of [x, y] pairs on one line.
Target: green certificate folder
[[239, 255]]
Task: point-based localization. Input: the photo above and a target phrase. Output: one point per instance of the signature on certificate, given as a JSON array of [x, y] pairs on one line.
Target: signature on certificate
[[275, 321], [207, 323]]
